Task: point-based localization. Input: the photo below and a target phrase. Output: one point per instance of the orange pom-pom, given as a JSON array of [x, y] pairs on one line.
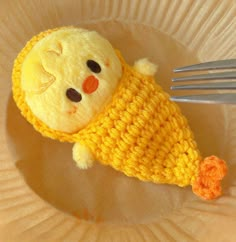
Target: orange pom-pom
[[211, 172]]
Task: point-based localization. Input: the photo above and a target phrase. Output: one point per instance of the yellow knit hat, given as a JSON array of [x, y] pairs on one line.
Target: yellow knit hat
[[139, 132]]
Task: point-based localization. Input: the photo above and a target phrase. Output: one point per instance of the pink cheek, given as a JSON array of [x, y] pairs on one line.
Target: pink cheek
[[72, 111]]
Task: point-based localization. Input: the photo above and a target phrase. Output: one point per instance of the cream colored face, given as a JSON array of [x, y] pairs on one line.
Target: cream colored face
[[69, 76]]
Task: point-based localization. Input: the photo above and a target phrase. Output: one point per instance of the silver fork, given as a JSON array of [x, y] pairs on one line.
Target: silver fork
[[226, 98]]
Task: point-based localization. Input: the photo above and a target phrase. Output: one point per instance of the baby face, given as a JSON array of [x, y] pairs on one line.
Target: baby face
[[68, 77]]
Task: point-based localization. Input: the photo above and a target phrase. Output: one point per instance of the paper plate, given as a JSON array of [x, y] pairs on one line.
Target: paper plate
[[44, 197]]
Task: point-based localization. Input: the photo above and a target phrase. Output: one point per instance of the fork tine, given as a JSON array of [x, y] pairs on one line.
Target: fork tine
[[213, 65], [220, 98], [210, 76], [204, 86]]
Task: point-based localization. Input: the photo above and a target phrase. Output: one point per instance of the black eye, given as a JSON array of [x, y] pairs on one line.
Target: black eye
[[94, 66], [73, 95]]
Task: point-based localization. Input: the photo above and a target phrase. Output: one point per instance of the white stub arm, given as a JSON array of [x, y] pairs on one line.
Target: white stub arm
[[145, 67], [82, 156]]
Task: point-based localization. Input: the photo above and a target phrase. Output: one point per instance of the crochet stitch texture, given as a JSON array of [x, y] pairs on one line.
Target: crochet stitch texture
[[143, 134]]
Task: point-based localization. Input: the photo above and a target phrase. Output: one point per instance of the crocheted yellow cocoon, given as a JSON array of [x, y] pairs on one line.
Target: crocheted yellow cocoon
[[139, 131]]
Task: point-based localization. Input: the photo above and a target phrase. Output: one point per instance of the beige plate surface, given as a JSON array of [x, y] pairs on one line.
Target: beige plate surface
[[44, 197]]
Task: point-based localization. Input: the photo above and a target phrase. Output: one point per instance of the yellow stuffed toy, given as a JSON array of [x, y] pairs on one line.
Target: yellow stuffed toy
[[71, 85]]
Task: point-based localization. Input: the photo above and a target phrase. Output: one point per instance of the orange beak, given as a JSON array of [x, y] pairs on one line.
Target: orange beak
[[90, 84]]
